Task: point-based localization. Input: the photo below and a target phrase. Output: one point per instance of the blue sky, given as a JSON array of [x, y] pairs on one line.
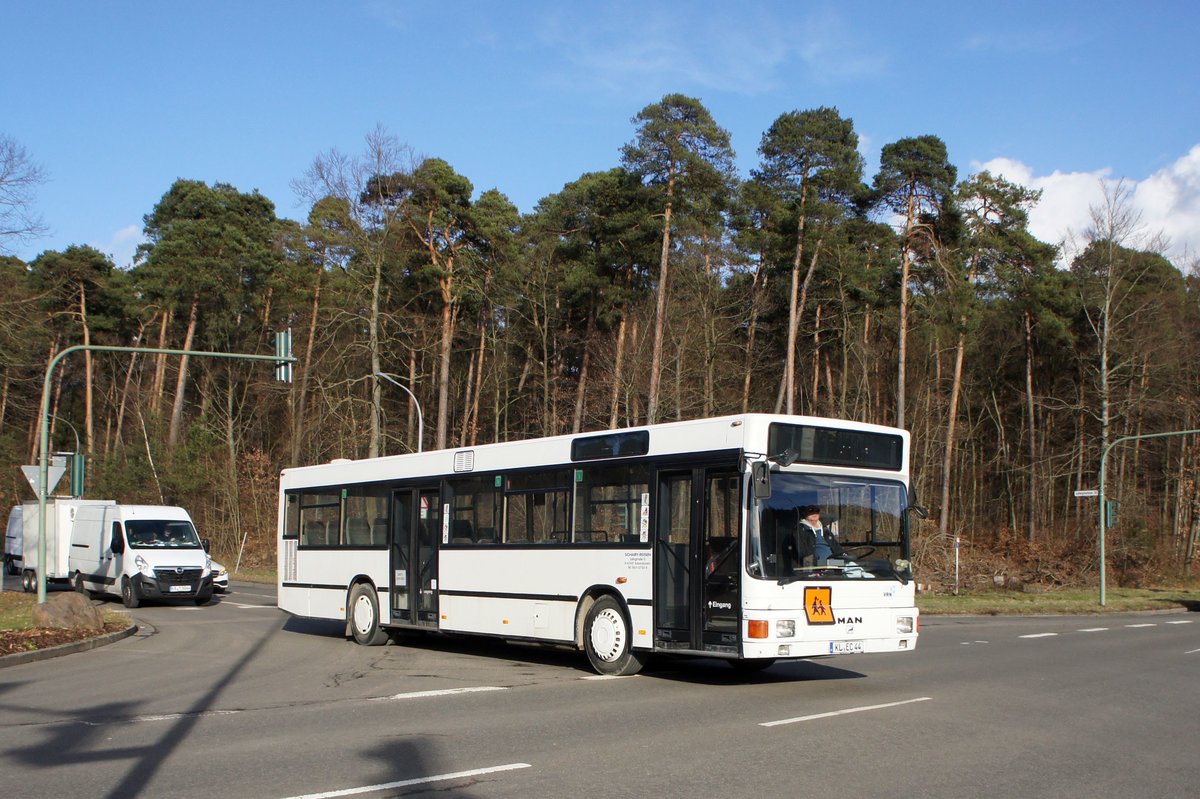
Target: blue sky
[[115, 100]]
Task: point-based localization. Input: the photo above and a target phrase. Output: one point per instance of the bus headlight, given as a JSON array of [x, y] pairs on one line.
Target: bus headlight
[[785, 628], [904, 625]]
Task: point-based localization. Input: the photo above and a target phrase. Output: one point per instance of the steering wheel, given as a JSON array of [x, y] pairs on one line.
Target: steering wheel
[[859, 551]]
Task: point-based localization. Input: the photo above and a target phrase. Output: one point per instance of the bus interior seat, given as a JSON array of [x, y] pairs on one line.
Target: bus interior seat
[[591, 535], [314, 533], [379, 531], [461, 532], [358, 532], [485, 535]]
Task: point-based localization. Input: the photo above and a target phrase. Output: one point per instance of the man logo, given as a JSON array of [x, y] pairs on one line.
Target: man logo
[[818, 602]]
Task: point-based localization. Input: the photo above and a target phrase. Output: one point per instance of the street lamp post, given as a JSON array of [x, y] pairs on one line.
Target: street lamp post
[[420, 418]]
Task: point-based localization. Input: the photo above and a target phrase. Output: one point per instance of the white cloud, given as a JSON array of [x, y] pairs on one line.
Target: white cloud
[[748, 51], [1168, 202], [122, 245]]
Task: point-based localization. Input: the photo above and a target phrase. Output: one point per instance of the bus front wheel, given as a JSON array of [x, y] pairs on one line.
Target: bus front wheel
[[607, 639], [364, 616]]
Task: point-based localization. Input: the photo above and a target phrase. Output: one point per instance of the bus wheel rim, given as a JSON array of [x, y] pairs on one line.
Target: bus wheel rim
[[608, 635], [364, 614]]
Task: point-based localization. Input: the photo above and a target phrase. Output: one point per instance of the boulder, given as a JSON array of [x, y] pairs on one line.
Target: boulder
[[68, 611]]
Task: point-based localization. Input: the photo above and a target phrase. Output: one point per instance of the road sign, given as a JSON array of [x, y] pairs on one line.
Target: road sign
[[1088, 492], [53, 475]]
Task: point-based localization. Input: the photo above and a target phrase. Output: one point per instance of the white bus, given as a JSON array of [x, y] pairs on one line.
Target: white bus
[[680, 538]]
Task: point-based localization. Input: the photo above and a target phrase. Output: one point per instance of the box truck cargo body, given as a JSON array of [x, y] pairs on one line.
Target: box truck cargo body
[[140, 552], [61, 515], [14, 545]]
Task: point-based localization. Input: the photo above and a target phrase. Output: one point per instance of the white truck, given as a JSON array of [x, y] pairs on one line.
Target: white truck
[[21, 538], [14, 541], [140, 552]]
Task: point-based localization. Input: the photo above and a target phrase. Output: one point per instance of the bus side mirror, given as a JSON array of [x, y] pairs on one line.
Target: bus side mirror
[[920, 510], [760, 475]]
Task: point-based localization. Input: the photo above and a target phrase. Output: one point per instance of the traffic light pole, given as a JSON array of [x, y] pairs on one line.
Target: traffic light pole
[[42, 488], [1104, 520]]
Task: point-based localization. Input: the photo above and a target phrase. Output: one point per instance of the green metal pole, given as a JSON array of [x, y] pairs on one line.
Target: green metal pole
[[1104, 507], [44, 446]]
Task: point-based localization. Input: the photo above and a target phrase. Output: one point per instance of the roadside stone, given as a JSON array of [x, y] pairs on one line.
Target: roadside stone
[[68, 611]]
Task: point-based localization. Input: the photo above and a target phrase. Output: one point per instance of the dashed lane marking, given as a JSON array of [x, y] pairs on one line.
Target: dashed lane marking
[[845, 712], [1039, 635], [387, 786], [442, 692]]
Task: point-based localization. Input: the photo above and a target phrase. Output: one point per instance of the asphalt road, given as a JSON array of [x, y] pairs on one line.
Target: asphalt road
[[237, 700]]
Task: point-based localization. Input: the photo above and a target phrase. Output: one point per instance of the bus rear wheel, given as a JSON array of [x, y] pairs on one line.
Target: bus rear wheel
[[364, 616], [608, 642]]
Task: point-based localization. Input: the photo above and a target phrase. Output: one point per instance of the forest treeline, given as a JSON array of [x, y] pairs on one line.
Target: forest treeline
[[667, 287]]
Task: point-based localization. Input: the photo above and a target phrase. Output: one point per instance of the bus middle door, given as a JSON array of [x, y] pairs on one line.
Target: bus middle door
[[416, 524]]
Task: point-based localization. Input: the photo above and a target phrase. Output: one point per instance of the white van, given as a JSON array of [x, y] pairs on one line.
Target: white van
[[60, 522], [140, 552]]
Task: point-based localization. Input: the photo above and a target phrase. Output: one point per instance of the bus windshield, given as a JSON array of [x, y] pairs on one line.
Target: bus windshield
[[825, 527], [161, 534]]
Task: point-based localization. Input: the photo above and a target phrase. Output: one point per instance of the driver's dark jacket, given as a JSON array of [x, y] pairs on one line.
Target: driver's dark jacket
[[800, 548]]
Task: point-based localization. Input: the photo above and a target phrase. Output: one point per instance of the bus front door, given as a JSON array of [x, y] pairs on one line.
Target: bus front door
[[416, 522], [697, 560]]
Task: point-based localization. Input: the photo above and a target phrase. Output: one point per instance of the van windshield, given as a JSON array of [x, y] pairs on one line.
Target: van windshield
[[161, 534]]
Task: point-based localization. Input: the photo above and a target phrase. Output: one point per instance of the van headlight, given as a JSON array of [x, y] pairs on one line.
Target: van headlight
[[143, 566]]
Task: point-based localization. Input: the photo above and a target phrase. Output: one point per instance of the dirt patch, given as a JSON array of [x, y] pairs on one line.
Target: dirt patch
[[14, 641]]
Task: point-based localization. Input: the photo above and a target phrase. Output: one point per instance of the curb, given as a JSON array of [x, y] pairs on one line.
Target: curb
[[17, 658]]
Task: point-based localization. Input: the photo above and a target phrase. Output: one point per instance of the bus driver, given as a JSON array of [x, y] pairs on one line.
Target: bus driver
[[813, 540]]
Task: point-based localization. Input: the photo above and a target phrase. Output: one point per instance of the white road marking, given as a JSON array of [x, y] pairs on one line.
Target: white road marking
[[456, 775], [1184, 621], [607, 677], [1142, 625], [162, 717], [1192, 652], [1039, 635], [442, 692], [1093, 630], [843, 712]]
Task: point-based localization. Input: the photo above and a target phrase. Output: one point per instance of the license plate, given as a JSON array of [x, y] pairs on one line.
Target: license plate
[[845, 647], [180, 589]]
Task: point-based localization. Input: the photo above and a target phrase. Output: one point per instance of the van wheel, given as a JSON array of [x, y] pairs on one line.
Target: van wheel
[[28, 581], [129, 594], [608, 642], [10, 566], [364, 616], [79, 586]]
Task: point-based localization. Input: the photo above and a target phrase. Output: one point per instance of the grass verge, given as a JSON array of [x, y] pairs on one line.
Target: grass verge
[[1063, 600]]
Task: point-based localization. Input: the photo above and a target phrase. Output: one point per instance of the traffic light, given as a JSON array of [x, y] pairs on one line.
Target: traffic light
[[283, 351], [78, 470]]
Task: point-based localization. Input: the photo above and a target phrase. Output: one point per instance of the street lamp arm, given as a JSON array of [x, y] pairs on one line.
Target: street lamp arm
[[420, 417]]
